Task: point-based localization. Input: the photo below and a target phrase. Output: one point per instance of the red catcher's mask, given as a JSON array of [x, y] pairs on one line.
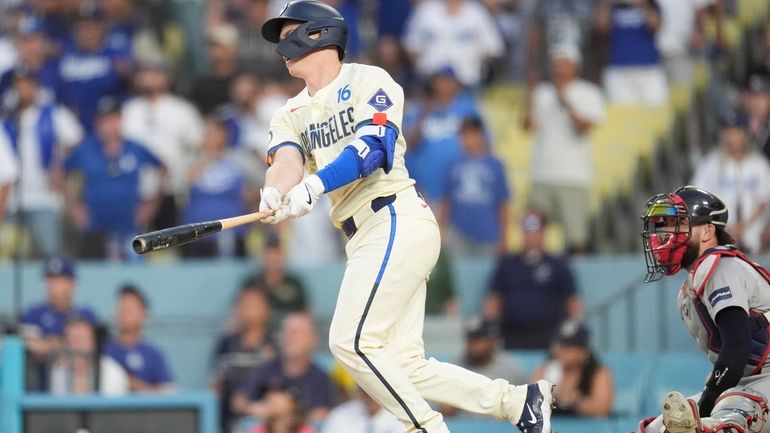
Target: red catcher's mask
[[665, 235]]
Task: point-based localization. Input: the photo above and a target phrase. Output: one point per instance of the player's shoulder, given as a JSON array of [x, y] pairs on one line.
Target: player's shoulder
[[716, 270], [35, 310]]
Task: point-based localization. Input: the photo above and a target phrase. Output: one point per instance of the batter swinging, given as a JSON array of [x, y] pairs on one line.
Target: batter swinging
[[344, 128]]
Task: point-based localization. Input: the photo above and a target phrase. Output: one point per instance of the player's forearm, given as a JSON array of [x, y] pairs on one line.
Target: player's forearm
[[285, 172]]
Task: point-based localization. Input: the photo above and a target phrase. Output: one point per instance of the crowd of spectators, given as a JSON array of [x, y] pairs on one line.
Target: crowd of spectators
[[100, 100]]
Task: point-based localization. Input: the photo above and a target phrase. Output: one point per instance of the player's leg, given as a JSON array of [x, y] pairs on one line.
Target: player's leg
[[739, 409], [387, 260], [447, 383]]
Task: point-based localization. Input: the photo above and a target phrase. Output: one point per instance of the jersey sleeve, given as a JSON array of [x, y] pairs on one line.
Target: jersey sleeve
[[377, 94], [725, 288], [282, 134]]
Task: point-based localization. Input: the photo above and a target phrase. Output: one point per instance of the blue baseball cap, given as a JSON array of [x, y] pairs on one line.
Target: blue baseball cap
[[481, 327], [59, 267]]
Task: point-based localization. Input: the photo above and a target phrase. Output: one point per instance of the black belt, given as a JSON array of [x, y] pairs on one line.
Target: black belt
[[349, 225]]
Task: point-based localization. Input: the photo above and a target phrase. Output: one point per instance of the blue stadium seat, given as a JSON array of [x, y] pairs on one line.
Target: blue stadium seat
[[683, 372], [630, 372], [528, 360]]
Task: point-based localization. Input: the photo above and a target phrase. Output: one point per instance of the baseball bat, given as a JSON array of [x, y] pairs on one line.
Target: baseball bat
[[184, 234]]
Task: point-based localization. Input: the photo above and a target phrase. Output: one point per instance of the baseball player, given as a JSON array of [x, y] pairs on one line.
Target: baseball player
[[724, 303], [344, 128]]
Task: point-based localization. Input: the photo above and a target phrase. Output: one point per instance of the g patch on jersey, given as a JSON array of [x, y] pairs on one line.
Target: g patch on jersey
[[380, 100], [720, 295]]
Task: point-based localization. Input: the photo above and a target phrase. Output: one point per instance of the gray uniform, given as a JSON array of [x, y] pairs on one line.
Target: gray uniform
[[719, 282]]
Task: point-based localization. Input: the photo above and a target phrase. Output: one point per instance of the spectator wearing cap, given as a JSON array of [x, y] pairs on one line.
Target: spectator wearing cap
[[128, 29], [482, 355], [90, 69], [40, 134], [474, 208], [109, 209], [531, 292], [739, 174], [432, 129], [169, 127], [584, 386], [633, 73], [755, 108], [212, 91], [218, 189], [285, 291], [459, 33], [293, 368], [43, 323], [562, 114], [143, 361], [34, 58]]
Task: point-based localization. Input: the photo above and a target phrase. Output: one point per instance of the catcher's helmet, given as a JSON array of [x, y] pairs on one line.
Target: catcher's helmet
[[316, 18], [668, 220]]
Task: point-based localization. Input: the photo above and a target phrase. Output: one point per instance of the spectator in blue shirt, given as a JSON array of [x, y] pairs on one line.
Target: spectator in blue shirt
[[532, 292], [110, 209], [474, 208], [143, 361], [634, 74], [293, 367], [34, 57], [218, 189], [431, 130], [90, 69], [43, 323]]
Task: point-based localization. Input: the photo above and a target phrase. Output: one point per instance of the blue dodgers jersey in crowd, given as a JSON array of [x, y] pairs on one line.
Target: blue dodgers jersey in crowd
[[50, 322], [428, 161], [532, 292], [475, 189], [110, 186], [143, 361], [216, 193], [88, 77], [314, 385], [632, 43]]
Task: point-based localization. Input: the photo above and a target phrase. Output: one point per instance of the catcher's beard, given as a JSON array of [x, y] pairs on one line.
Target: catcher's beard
[[692, 252]]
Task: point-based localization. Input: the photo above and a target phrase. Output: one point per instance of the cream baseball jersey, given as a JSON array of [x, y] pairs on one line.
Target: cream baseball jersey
[[322, 125]]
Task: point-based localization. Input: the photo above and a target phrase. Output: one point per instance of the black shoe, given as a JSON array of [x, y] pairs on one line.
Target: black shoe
[[536, 417]]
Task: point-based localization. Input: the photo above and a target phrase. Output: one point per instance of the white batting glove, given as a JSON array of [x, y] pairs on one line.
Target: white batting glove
[[301, 199], [271, 200]]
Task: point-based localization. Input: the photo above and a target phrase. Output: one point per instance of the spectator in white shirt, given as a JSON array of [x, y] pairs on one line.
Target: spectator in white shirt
[[9, 173], [458, 33], [361, 415], [680, 37], [740, 175], [39, 134], [562, 113], [170, 127]]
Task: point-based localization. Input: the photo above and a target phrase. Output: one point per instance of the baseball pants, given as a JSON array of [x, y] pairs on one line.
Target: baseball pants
[[376, 331]]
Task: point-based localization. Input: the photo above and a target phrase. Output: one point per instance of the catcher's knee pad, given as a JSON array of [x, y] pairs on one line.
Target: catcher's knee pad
[[739, 410]]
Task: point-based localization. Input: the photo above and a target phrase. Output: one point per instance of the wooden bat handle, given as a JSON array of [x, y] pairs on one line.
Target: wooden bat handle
[[240, 220]]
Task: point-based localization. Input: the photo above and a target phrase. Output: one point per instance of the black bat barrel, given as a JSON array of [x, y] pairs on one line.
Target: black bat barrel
[[173, 236]]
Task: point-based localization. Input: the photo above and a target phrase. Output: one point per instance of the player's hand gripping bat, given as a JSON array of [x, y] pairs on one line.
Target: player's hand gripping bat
[[184, 234]]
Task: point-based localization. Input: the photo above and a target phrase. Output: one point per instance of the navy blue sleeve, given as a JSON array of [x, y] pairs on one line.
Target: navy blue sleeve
[[498, 277], [321, 397], [564, 279], [161, 372], [75, 160], [503, 191]]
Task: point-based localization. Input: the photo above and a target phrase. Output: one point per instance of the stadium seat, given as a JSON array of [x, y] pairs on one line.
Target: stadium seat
[[683, 372], [630, 372]]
